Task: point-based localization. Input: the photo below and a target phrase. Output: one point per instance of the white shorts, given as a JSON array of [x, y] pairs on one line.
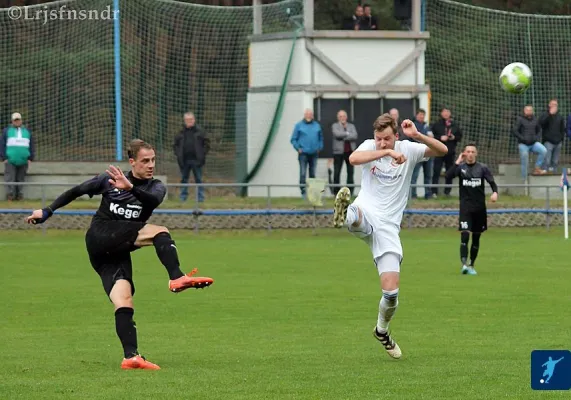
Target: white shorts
[[383, 239]]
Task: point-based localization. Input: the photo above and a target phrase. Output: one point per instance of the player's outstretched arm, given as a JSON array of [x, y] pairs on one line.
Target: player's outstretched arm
[[435, 147], [90, 187], [367, 156], [490, 179]]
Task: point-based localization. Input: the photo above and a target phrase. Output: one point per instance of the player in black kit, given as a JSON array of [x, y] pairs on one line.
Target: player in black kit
[[120, 227], [473, 214]]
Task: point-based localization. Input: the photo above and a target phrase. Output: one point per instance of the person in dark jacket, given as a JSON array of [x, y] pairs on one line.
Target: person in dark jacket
[[427, 164], [307, 140], [344, 143], [369, 20], [448, 132], [553, 132], [356, 21], [528, 133], [191, 147]]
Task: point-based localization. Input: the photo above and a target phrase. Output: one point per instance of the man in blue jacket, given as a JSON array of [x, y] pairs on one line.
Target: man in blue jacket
[[307, 140]]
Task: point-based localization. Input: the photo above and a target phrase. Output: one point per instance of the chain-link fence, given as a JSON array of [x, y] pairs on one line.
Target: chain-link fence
[[230, 211]]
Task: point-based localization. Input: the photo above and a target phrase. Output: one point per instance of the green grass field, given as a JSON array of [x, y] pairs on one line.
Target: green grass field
[[290, 316]]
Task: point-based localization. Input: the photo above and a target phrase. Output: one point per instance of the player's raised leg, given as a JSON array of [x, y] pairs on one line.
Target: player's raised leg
[[160, 238], [122, 298], [388, 266]]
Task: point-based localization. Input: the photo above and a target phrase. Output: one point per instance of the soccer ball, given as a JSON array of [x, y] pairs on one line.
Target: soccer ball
[[515, 78]]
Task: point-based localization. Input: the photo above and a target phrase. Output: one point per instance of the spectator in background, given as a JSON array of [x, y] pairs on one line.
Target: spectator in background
[[427, 164], [17, 152], [356, 22], [344, 143], [448, 132], [307, 140], [569, 126], [553, 132], [191, 147], [369, 21], [528, 132], [394, 113]]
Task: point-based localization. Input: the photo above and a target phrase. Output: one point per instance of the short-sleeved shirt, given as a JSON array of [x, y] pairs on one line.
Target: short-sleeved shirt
[[385, 184]]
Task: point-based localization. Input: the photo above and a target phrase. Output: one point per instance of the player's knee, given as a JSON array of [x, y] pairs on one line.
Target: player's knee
[[126, 302], [121, 295], [464, 237], [389, 280], [160, 229], [122, 300], [152, 231], [388, 267]]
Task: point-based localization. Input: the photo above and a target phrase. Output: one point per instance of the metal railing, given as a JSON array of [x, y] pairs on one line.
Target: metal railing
[[328, 188], [238, 188]]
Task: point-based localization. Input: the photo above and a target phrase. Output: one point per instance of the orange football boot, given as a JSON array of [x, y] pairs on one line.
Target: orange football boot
[[189, 281], [138, 362]]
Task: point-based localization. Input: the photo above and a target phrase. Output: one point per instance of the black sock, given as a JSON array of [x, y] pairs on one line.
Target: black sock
[[464, 239], [166, 251], [475, 247], [126, 330]]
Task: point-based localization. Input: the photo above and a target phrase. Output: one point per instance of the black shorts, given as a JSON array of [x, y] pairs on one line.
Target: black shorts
[[109, 245], [473, 221]]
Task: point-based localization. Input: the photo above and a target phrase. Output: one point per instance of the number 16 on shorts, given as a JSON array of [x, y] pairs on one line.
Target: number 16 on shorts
[[464, 225]]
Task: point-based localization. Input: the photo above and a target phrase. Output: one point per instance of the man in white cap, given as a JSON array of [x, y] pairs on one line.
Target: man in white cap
[[16, 151]]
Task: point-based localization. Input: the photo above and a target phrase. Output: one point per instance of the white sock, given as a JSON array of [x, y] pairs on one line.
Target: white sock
[[352, 215], [387, 308]]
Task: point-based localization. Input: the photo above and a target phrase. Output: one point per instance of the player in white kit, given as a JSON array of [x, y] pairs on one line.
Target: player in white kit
[[375, 215]]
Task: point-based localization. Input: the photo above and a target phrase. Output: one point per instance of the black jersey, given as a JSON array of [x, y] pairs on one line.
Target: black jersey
[[472, 190], [136, 204]]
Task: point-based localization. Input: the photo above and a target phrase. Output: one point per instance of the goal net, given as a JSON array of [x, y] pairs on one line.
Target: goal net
[[59, 72], [188, 57], [468, 48]]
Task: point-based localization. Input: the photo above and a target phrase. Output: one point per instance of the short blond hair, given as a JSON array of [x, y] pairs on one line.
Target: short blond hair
[[385, 121]]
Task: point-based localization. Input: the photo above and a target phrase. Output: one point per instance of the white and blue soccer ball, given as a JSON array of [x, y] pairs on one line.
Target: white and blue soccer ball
[[516, 78]]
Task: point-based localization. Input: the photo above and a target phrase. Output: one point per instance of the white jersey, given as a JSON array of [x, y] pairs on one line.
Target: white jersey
[[385, 184]]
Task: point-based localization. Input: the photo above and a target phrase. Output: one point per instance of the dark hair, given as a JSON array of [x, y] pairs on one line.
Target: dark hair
[[135, 146], [366, 5], [445, 108], [385, 121], [421, 110], [472, 144]]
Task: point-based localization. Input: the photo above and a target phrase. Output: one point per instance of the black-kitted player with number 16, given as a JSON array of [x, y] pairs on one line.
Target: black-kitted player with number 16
[[473, 214]]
